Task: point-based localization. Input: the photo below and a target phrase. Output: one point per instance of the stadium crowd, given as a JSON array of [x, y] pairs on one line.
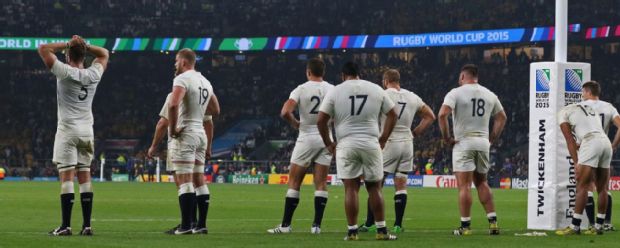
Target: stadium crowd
[[117, 18], [254, 85]]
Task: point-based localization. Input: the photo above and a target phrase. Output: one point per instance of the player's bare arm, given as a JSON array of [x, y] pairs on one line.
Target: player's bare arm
[[444, 112], [208, 126], [322, 124], [160, 131], [178, 93], [47, 52], [570, 141], [101, 55], [390, 122], [213, 108], [427, 115], [499, 121], [287, 113], [616, 142]]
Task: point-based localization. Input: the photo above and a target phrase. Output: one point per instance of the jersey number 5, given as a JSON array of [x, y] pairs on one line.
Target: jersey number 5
[[83, 97], [204, 95]]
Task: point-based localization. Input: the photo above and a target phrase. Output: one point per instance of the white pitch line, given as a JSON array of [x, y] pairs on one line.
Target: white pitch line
[[409, 231], [208, 220]]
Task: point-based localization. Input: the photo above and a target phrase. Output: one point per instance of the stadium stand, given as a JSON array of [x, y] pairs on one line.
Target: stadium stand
[[253, 86]]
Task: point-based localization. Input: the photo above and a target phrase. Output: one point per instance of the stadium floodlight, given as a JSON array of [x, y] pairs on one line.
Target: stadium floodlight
[[552, 178]]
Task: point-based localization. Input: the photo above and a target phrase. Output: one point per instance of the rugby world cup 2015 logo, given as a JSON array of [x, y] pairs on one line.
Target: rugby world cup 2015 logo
[[543, 81], [573, 79]]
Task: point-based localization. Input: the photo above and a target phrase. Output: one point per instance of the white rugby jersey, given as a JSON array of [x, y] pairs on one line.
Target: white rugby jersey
[[407, 104], [198, 92], [606, 112], [308, 97], [164, 110], [472, 105], [583, 120], [75, 93], [355, 106]]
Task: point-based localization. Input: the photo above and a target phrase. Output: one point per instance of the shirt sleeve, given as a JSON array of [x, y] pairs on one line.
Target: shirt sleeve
[[614, 112], [207, 118], [295, 95], [420, 103], [563, 115], [328, 104], [95, 72], [178, 81], [450, 100], [60, 69], [164, 110], [387, 104], [497, 106]]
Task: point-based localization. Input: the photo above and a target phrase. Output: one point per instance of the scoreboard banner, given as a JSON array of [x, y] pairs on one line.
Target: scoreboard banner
[[279, 43], [552, 179]]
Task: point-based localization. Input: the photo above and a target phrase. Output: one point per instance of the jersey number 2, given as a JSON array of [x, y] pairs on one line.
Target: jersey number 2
[[315, 110]]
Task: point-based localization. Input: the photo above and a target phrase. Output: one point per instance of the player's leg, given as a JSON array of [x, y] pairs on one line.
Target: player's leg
[[66, 201], [320, 195], [203, 197], [391, 157], [584, 179], [86, 199], [608, 226], [85, 157], [295, 177], [601, 176], [184, 159], [350, 171], [400, 200], [463, 166], [300, 159], [172, 171], [351, 205], [186, 195], [372, 164], [405, 165], [464, 180], [590, 204], [484, 191], [65, 158]]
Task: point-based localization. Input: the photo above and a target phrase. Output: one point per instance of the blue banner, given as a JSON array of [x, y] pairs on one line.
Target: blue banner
[[451, 38], [412, 181]]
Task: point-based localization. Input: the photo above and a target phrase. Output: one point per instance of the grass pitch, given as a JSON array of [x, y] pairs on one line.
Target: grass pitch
[[136, 214]]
